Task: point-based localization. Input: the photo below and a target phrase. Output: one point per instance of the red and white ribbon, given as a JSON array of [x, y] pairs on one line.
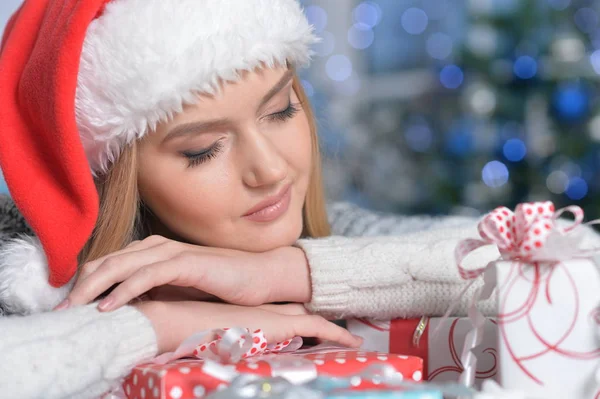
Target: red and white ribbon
[[530, 234], [228, 346]]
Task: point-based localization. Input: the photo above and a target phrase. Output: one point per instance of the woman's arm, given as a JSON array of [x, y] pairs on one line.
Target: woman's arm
[[75, 353], [390, 277], [409, 274], [176, 321]]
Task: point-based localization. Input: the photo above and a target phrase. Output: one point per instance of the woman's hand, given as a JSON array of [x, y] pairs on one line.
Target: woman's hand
[[237, 277], [176, 321]]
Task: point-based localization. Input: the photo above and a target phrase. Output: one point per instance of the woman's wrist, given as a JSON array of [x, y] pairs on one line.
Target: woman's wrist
[[291, 276], [166, 323]]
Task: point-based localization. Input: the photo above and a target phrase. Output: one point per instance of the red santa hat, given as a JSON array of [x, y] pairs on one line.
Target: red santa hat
[[81, 79]]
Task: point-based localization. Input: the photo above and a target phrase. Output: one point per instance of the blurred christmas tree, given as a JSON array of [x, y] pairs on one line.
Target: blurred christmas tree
[[513, 114], [532, 80]]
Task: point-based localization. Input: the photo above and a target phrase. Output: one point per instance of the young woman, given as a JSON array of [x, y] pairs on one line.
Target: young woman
[[163, 156]]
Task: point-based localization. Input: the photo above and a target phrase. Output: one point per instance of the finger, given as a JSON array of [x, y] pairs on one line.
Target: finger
[[171, 271], [133, 246], [90, 267], [115, 270], [318, 327]]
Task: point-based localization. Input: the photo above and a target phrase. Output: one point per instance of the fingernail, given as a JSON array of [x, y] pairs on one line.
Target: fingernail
[[106, 303], [358, 338], [63, 305]]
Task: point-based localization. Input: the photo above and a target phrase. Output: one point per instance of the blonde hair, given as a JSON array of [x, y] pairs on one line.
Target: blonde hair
[[121, 215]]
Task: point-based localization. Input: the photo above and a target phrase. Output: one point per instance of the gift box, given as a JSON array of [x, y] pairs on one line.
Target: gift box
[[548, 320], [441, 355], [195, 378], [548, 288]]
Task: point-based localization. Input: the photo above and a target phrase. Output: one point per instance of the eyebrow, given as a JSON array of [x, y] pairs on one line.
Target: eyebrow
[[199, 127]]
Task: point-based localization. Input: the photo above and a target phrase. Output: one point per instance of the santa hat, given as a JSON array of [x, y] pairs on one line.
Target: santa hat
[[81, 79]]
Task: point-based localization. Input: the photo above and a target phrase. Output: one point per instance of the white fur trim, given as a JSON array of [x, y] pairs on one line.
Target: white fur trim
[[142, 60], [24, 286]]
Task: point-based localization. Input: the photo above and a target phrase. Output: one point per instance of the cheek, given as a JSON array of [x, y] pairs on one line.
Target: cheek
[[181, 196], [298, 146]]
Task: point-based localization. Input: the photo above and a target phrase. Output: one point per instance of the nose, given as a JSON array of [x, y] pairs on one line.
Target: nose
[[264, 164]]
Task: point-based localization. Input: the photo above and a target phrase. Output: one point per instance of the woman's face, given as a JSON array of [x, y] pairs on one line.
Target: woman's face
[[204, 173]]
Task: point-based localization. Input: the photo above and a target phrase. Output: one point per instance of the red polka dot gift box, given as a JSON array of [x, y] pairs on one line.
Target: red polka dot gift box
[[194, 378]]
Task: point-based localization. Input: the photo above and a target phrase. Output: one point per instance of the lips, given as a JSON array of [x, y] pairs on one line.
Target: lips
[[270, 201]]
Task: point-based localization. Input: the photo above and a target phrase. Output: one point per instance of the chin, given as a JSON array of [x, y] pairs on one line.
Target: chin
[[282, 233]]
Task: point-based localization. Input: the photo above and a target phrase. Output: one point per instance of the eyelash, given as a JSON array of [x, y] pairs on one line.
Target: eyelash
[[206, 155], [203, 156], [287, 113]]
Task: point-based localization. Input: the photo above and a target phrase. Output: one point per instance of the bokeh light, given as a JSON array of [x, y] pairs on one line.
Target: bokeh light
[[577, 188], [414, 21], [483, 40], [367, 13], [495, 174], [338, 67], [481, 99], [525, 67], [359, 37], [439, 46], [557, 182], [571, 101], [327, 44], [514, 150], [317, 16], [568, 49], [451, 76]]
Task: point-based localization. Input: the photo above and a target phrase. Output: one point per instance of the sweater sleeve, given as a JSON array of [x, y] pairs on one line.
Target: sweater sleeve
[[387, 277], [74, 353]]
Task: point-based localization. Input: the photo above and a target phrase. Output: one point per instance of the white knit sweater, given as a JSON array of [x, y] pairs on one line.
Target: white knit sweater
[[81, 353], [389, 266]]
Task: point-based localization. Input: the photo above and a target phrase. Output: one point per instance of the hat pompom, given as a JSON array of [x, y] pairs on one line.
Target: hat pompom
[[24, 286]]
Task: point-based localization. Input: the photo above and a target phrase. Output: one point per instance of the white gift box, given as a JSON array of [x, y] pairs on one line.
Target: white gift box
[[548, 322]]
